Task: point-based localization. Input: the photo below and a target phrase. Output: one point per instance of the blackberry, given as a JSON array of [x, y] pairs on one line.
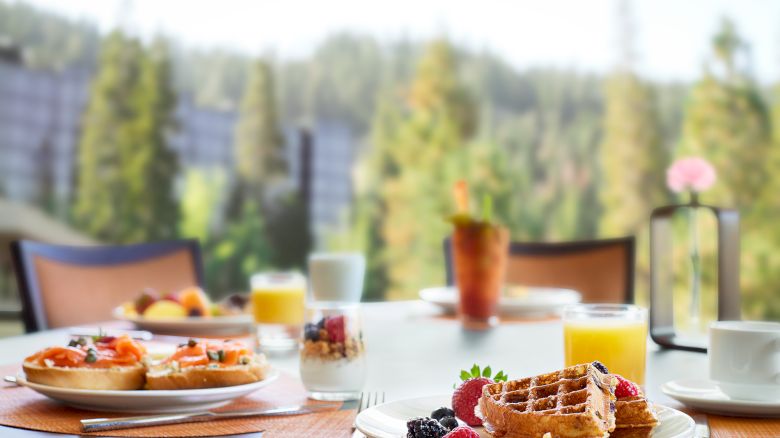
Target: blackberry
[[442, 412], [449, 423], [424, 428], [600, 366], [311, 332]]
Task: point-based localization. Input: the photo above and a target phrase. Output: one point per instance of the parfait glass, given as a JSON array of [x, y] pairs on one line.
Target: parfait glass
[[333, 364]]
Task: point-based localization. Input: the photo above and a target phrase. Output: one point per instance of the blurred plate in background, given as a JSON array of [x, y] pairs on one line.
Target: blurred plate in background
[[191, 326], [516, 300]]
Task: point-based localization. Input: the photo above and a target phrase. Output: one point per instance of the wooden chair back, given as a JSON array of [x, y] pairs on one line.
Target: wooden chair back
[[70, 285], [601, 270]]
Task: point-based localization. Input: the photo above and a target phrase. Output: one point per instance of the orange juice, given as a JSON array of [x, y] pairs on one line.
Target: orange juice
[[278, 306], [619, 344], [277, 298]]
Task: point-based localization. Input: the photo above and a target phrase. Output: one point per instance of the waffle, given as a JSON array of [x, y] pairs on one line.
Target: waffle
[[574, 402], [634, 418]]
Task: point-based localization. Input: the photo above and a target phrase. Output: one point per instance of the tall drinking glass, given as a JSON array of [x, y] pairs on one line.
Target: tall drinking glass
[[277, 306], [613, 334], [480, 253]]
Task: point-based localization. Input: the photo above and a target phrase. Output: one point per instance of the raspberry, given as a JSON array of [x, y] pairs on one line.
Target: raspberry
[[424, 428], [600, 366], [335, 328], [462, 432], [465, 399], [625, 388]]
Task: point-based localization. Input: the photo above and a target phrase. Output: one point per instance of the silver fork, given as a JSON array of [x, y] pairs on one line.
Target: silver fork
[[368, 400]]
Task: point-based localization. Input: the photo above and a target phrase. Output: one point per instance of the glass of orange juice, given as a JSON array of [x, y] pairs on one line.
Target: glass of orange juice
[[277, 305], [613, 334]]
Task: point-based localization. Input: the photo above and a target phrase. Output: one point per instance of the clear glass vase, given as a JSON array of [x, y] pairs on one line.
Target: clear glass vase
[[694, 264]]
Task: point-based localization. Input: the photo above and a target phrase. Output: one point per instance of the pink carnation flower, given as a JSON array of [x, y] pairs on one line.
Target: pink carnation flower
[[692, 173]]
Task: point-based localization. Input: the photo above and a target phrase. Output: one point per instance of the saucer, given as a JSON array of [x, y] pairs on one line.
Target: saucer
[[705, 395]]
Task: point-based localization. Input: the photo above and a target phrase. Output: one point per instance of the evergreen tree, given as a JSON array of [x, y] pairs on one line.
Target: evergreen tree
[[125, 166], [152, 165], [727, 122], [261, 170], [259, 146], [633, 157], [414, 166], [241, 251]]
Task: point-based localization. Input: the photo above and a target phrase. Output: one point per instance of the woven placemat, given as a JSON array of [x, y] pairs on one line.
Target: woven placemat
[[25, 408]]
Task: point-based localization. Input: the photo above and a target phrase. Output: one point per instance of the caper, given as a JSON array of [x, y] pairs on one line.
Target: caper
[[91, 356], [221, 354], [192, 343], [212, 355]]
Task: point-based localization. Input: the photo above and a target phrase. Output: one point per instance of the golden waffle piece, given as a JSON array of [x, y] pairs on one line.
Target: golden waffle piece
[[634, 418], [570, 403]]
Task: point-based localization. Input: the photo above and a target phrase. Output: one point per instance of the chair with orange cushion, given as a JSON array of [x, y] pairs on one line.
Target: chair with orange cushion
[[601, 270], [68, 285]]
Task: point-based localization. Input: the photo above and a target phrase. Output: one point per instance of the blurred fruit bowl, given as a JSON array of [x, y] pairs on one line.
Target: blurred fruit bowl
[[191, 302]]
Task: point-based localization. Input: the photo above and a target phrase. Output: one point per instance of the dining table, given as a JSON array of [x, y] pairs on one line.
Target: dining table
[[414, 349]]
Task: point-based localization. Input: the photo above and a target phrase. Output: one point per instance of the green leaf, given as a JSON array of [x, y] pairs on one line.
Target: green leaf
[[475, 371], [487, 208], [464, 375], [500, 377], [486, 372]]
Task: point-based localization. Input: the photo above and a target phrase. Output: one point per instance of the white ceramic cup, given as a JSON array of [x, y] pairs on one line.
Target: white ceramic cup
[[337, 276], [744, 359]]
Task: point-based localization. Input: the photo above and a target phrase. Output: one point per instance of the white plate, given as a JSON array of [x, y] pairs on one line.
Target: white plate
[[704, 395], [389, 420], [529, 300], [142, 401], [192, 326]]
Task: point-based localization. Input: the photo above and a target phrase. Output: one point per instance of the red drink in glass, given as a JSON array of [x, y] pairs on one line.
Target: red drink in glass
[[480, 253]]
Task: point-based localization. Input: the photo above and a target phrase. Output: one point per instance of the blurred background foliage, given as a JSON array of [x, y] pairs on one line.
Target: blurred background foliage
[[565, 154]]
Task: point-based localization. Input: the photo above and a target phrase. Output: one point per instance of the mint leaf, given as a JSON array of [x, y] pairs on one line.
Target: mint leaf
[[475, 371], [486, 372], [464, 375], [500, 377]]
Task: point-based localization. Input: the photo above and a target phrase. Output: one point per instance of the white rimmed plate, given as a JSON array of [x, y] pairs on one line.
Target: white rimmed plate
[[152, 401], [389, 420], [191, 326], [520, 300], [705, 396]]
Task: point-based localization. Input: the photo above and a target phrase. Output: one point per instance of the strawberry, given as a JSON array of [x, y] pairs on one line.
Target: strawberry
[[465, 399], [625, 388], [462, 432], [335, 328]]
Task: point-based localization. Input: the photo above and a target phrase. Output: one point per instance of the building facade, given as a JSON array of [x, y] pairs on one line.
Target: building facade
[[40, 119]]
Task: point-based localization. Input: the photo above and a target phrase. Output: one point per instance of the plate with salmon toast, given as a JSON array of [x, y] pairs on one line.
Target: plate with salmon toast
[[114, 374]]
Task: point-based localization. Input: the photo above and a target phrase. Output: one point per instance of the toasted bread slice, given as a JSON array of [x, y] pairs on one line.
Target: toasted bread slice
[[206, 376], [114, 378]]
